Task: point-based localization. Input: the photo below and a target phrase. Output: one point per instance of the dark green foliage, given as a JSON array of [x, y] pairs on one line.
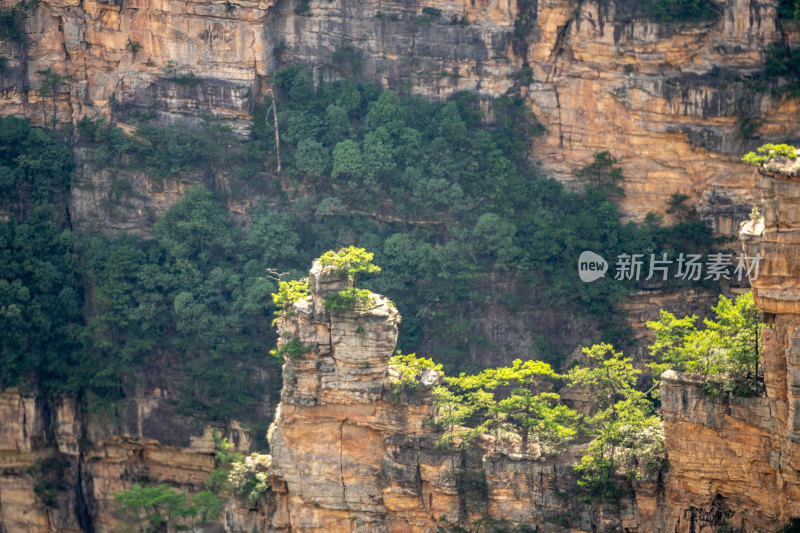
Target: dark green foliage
[[444, 197], [302, 7], [198, 290], [526, 18], [604, 175], [441, 192], [667, 11], [174, 73], [49, 84], [291, 349], [671, 11], [351, 298], [133, 46], [40, 288], [783, 66], [48, 474], [181, 147], [207, 148], [792, 527], [789, 10], [347, 60], [12, 20]]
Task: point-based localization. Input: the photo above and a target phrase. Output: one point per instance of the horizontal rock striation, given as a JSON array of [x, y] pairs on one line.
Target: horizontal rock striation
[[667, 100], [733, 463], [348, 454]]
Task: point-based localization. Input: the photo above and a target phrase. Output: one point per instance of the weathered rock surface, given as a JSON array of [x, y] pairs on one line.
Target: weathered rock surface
[[665, 99], [82, 458], [348, 455], [734, 462]]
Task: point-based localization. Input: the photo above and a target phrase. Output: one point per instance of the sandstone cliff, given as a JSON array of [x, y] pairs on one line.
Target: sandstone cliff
[[665, 99], [734, 463], [349, 455], [60, 465]]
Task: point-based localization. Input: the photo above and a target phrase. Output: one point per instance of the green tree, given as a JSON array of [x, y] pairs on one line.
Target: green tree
[[727, 351], [312, 157], [627, 435], [609, 378], [48, 87], [351, 261], [196, 228], [470, 405], [155, 508], [604, 175]]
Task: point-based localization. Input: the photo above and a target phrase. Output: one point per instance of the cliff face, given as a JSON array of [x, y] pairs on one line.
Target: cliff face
[[735, 462], [665, 100], [60, 466], [350, 454], [347, 459]]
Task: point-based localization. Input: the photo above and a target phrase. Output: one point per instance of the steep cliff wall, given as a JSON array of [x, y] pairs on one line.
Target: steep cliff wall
[[60, 466], [349, 455], [734, 462], [665, 99]]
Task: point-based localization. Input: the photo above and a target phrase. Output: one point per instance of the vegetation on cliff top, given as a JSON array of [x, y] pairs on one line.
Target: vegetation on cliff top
[[768, 152], [521, 403], [727, 351]]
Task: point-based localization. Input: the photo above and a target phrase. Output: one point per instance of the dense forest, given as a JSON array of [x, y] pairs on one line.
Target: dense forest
[[444, 193]]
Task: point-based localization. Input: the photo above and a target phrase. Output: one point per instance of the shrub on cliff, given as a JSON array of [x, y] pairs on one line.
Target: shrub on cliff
[[350, 298], [627, 434], [511, 403], [351, 261], [726, 352], [767, 152], [288, 293], [410, 369], [150, 508]]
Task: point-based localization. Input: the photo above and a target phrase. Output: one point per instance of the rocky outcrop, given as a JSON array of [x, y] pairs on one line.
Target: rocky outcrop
[[667, 100], [61, 464], [733, 462], [351, 454]]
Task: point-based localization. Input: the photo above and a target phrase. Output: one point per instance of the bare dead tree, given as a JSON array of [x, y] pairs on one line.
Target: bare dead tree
[[271, 93]]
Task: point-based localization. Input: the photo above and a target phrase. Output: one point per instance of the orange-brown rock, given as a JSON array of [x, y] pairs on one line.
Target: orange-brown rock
[[733, 461], [85, 459], [664, 99], [349, 455]]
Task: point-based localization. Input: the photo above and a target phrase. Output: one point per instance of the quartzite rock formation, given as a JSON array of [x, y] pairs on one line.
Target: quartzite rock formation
[[736, 462], [347, 459]]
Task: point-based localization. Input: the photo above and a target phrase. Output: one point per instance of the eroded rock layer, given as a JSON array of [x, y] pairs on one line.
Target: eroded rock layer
[[350, 453], [667, 100], [734, 463]]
